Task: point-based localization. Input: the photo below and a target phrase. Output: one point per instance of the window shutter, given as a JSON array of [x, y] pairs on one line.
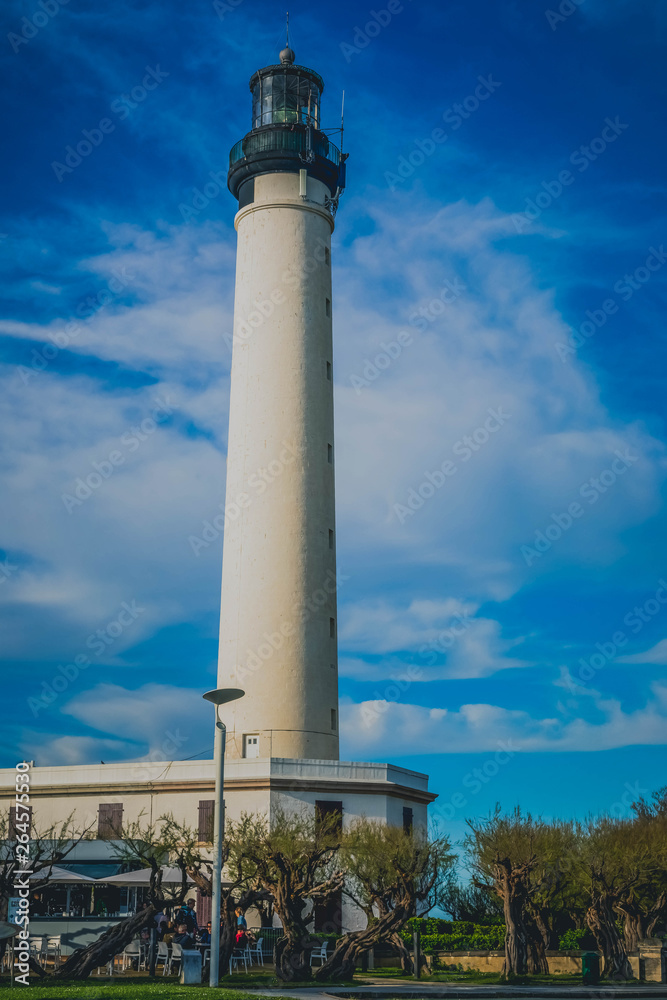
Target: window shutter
[[110, 821], [206, 818], [324, 809]]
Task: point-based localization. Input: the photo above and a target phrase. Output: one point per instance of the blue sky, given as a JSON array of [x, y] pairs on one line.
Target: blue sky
[[500, 480]]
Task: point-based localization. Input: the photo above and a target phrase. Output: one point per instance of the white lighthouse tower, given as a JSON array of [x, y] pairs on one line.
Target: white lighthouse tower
[[278, 620]]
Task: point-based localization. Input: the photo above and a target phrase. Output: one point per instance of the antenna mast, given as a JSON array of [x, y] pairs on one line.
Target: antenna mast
[[342, 120]]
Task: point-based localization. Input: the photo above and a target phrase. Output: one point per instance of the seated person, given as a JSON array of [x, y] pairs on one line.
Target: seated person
[[183, 937], [205, 936]]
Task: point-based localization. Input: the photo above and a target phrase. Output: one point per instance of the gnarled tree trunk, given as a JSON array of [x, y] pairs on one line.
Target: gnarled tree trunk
[[600, 920], [352, 946], [81, 963]]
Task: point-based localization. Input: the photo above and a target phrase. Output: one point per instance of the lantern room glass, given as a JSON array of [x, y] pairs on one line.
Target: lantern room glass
[[285, 98]]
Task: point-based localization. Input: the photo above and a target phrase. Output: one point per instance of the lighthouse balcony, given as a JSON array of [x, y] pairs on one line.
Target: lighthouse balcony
[[286, 148]]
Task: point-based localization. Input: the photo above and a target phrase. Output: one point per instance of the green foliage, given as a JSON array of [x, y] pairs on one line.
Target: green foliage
[[455, 935], [577, 939]]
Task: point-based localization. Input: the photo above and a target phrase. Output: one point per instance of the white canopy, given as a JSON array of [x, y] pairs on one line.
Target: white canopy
[[58, 874], [170, 876]]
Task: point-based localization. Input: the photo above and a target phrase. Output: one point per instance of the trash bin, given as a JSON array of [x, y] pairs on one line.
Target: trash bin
[[590, 967]]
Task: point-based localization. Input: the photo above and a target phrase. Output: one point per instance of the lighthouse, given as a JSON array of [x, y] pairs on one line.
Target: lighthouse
[[278, 622]]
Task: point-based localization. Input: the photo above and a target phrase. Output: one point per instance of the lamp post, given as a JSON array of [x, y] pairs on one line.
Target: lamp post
[[218, 697]]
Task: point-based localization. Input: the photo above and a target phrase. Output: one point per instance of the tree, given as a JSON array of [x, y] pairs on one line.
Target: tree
[[512, 857], [42, 849], [240, 887], [623, 870], [470, 903], [150, 845], [294, 862], [391, 875]]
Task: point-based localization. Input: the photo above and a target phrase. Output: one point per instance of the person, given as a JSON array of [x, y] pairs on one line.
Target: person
[[205, 936], [241, 928], [183, 937], [161, 924], [188, 914]]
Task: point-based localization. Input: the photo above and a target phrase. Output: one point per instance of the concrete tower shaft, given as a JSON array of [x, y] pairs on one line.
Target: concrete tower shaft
[[278, 619]]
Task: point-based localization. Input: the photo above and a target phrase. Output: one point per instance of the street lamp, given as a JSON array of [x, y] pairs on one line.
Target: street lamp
[[218, 697]]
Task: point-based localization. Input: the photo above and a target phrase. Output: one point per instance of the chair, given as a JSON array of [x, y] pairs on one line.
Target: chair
[[131, 952], [38, 949], [321, 954], [53, 947], [162, 956], [257, 952], [237, 957], [176, 956]]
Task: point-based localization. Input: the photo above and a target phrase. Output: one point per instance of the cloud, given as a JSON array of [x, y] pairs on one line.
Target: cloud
[[657, 654], [152, 722], [384, 728]]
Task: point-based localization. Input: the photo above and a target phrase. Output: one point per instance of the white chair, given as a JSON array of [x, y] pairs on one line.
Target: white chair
[[176, 956], [132, 951], [321, 954], [237, 958], [53, 947], [38, 949], [162, 956], [257, 952]]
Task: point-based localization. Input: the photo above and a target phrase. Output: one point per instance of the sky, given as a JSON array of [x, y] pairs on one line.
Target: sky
[[500, 252]]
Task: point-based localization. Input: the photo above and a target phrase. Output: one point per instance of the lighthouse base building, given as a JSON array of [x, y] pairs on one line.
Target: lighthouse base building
[[108, 797]]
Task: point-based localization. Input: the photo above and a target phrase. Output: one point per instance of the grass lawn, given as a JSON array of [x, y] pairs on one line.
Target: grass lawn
[[124, 988]]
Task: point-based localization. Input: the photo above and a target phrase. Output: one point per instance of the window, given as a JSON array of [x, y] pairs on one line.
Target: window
[[331, 538], [330, 454], [21, 823], [333, 666], [329, 370], [251, 745], [407, 820], [332, 628], [110, 821], [327, 256], [329, 813], [327, 307], [333, 719], [206, 820]]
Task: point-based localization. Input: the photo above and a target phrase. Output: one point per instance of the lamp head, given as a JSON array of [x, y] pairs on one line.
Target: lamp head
[[220, 696]]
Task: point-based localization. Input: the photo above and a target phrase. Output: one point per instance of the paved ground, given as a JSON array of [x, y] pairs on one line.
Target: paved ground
[[410, 989]]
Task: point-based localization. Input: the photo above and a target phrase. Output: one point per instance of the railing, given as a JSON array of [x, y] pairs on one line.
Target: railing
[[283, 139]]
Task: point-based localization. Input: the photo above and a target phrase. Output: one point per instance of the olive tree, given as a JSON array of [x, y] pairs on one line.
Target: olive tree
[[391, 875]]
